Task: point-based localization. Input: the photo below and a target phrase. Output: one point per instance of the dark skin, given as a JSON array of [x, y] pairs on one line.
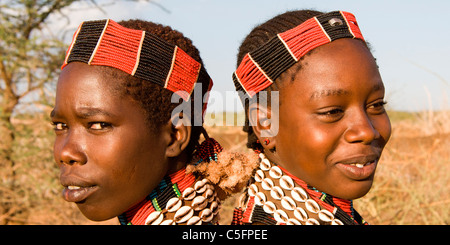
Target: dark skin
[[108, 157], [332, 122]]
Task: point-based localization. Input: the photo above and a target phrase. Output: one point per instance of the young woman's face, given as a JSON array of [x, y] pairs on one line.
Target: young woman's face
[[108, 158], [333, 125]]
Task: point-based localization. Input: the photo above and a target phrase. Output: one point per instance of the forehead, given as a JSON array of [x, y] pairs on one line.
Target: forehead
[[84, 86], [343, 67]]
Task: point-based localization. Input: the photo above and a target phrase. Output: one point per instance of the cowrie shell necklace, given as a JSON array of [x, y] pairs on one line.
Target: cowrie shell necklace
[[279, 196], [196, 204]]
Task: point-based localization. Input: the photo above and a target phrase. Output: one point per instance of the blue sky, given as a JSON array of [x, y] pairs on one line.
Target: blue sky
[[411, 39]]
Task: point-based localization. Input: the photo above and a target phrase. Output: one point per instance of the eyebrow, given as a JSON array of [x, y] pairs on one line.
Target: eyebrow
[[86, 112], [329, 92], [377, 87], [338, 92]]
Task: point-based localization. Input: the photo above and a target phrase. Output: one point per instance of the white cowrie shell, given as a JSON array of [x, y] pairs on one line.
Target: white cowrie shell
[[267, 184], [206, 215], [261, 155], [183, 214], [280, 216], [209, 194], [173, 204], [252, 190], [277, 193], [199, 203], [260, 198], [312, 221], [200, 186], [300, 214], [336, 222], [335, 22], [326, 215], [259, 175], [209, 187], [288, 203], [312, 206], [292, 221], [216, 199], [275, 172], [214, 207], [269, 207], [194, 220], [265, 164], [189, 193], [154, 218], [168, 222], [286, 182], [299, 194]]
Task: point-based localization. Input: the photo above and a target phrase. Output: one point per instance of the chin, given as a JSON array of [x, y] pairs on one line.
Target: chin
[[354, 190], [93, 213]]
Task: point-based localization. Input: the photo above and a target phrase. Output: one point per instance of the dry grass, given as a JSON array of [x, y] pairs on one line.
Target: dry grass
[[411, 185]]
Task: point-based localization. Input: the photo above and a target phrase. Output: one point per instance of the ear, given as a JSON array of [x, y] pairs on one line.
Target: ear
[[180, 135], [260, 119]]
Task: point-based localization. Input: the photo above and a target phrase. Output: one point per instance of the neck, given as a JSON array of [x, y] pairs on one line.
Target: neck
[[140, 211], [345, 205], [177, 163], [341, 209]]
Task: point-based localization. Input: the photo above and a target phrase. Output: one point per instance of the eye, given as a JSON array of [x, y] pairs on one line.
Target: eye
[[330, 114], [377, 107], [59, 126], [99, 125]]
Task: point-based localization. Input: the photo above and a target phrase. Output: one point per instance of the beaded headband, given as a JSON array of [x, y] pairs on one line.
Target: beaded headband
[[261, 67], [138, 53]]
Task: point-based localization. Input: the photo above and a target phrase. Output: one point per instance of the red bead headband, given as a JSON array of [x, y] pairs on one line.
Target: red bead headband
[[261, 67], [138, 53]]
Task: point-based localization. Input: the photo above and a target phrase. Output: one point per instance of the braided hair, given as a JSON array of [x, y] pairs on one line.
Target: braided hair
[[256, 38], [153, 98]]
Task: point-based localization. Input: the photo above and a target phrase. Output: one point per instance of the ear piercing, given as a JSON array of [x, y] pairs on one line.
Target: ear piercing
[[266, 141]]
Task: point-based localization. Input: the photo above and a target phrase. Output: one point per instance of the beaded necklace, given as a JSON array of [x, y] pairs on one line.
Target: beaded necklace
[[178, 199], [276, 197]]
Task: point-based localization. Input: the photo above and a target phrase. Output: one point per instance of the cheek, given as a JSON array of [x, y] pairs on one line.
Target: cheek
[[56, 150], [309, 137], [130, 160], [383, 126], [127, 170], [306, 147], [316, 145]]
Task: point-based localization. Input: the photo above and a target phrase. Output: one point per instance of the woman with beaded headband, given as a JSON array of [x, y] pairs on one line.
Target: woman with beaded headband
[[331, 126], [120, 150]]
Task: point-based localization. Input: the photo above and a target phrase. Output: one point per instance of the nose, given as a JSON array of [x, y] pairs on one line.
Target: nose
[[68, 149], [361, 129]]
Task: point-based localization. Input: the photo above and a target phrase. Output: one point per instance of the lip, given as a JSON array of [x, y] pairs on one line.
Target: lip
[[358, 173], [78, 195], [76, 190]]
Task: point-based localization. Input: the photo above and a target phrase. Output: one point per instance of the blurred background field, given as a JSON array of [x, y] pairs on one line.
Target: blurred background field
[[411, 184]]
